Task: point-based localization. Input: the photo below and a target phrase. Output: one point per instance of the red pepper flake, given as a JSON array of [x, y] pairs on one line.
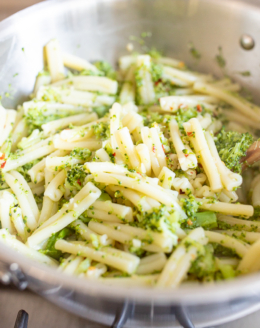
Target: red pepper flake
[[79, 182], [189, 134], [186, 155], [2, 156], [171, 108], [163, 148], [199, 108], [189, 222], [3, 164], [114, 154], [154, 149], [182, 192], [157, 82]]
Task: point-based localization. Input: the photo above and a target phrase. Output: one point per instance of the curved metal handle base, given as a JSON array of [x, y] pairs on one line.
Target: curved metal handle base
[[21, 319]]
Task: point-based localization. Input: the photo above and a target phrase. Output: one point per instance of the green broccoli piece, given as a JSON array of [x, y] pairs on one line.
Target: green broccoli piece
[[106, 69], [190, 206], [110, 152], [232, 147], [154, 53], [156, 72], [50, 249], [207, 220], [102, 130], [75, 177], [101, 110], [158, 220], [36, 117], [227, 271], [256, 213], [104, 197], [204, 265], [83, 154], [185, 114]]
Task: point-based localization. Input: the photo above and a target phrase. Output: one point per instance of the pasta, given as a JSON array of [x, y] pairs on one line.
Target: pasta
[[136, 177]]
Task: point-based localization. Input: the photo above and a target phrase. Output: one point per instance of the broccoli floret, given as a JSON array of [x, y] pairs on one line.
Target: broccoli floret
[[191, 207], [207, 220], [50, 249], [106, 69], [38, 199], [36, 117], [110, 152], [156, 72], [104, 197], [256, 213], [232, 147], [101, 110], [204, 265], [149, 117], [101, 130], [154, 53], [160, 219], [75, 177], [185, 114], [83, 154], [227, 271]]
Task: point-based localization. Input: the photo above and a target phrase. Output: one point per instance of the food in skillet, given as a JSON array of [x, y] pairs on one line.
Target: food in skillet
[[143, 176]]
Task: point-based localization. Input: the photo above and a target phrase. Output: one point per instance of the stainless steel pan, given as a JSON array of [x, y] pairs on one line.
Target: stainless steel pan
[[97, 29]]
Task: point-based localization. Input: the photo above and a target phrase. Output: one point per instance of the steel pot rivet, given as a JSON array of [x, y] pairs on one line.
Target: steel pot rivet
[[247, 42]]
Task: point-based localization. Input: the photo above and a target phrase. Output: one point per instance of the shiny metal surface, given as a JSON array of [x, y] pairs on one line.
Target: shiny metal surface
[[100, 29], [247, 42]]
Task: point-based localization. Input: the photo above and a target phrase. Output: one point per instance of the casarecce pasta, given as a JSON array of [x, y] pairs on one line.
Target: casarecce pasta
[[131, 177]]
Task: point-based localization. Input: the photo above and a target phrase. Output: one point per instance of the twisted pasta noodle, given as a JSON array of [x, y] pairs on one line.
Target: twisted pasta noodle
[[145, 89], [182, 185], [186, 157], [7, 201], [229, 179], [197, 138]]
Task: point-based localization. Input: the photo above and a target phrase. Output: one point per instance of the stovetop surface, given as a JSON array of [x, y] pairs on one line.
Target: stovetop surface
[[43, 314]]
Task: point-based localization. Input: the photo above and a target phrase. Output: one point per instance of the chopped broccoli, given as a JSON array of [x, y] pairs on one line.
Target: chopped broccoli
[[110, 152], [207, 220], [220, 59], [232, 147], [256, 213], [191, 207], [50, 249], [185, 114], [106, 69], [204, 265], [159, 219], [38, 199], [36, 117], [156, 72], [154, 53], [104, 197], [102, 130], [81, 154], [101, 110], [75, 177], [227, 271]]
